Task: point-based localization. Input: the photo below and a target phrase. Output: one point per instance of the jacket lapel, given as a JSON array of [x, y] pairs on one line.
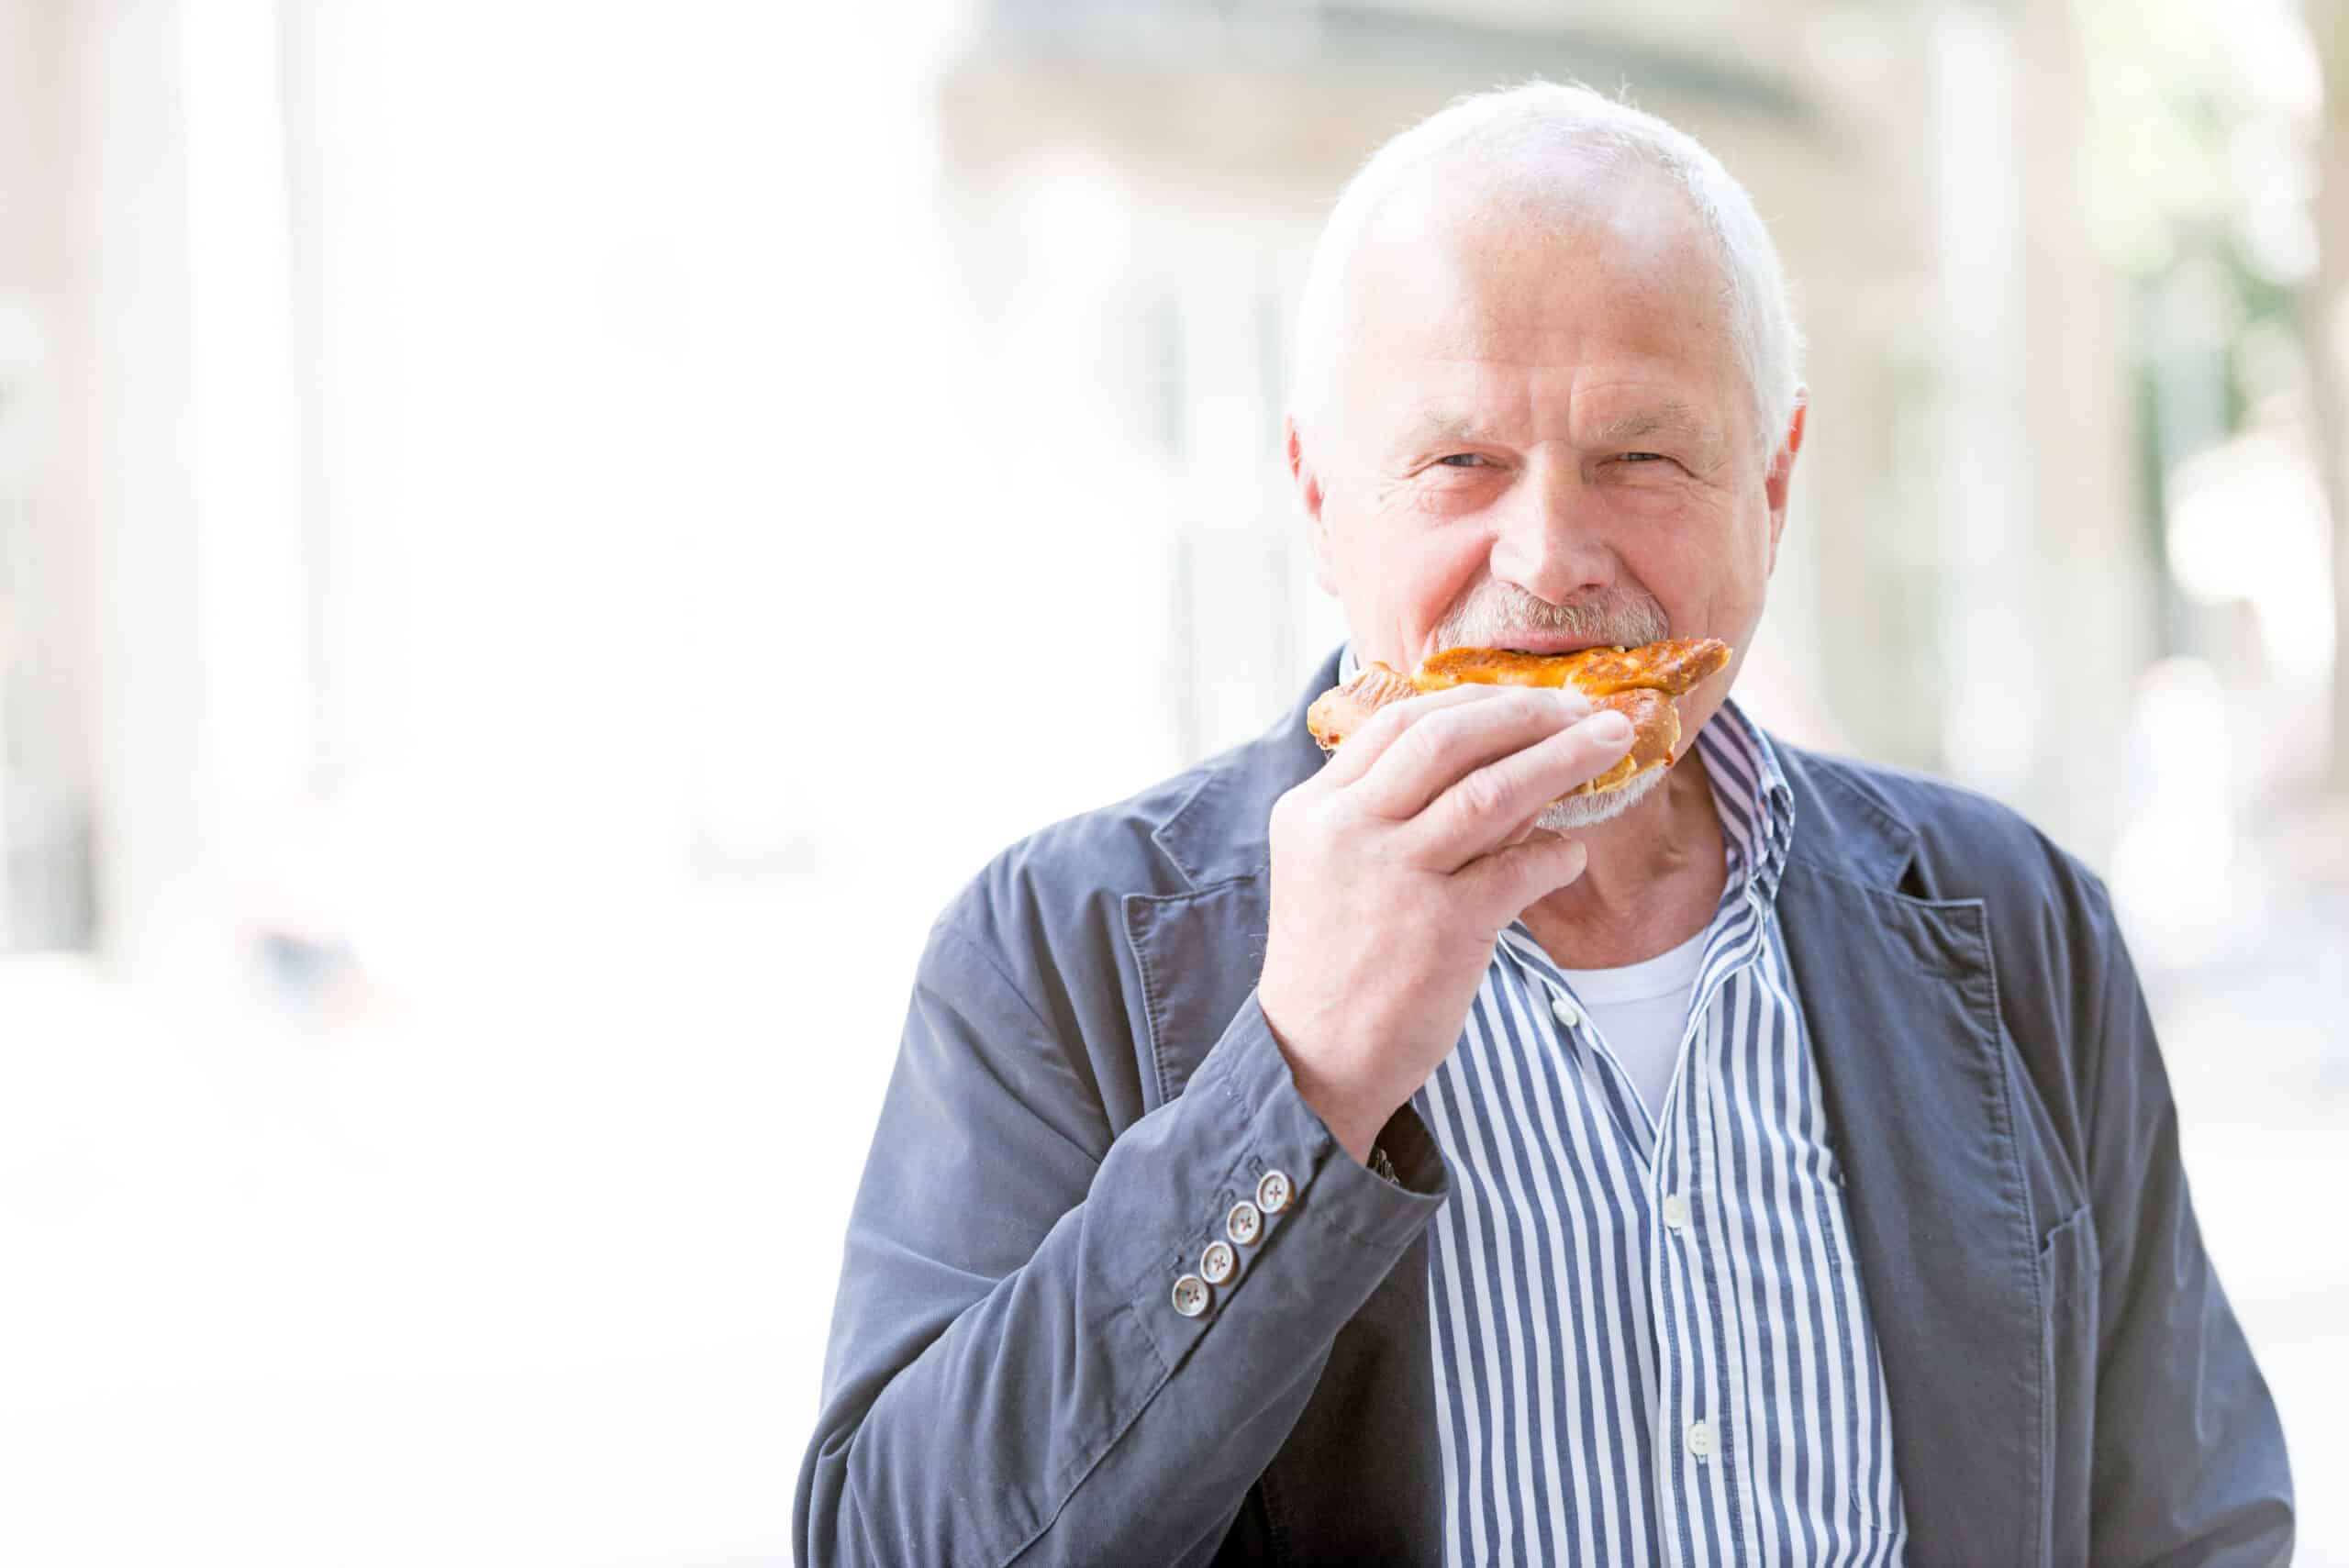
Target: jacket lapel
[[1199, 954], [1199, 951], [1900, 1001]]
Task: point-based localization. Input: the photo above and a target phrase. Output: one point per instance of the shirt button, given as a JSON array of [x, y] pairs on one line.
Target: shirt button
[[1191, 1295], [1246, 1224], [1565, 1012], [1274, 1192], [1676, 1212], [1701, 1440], [1216, 1263]]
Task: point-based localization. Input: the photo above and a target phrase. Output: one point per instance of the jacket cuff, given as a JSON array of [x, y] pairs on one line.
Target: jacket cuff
[[1411, 1148], [1333, 1188], [1325, 1230]]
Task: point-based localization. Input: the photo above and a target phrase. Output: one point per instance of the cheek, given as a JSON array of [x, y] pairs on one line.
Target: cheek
[[1707, 575], [1439, 570], [1404, 572], [1734, 574]]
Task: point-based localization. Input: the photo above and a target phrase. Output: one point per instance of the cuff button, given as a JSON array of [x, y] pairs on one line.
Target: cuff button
[[1191, 1294], [1246, 1224], [1274, 1192], [1219, 1263]]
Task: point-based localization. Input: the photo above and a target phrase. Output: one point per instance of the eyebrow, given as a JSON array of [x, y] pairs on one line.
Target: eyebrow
[[1433, 424], [1671, 417]]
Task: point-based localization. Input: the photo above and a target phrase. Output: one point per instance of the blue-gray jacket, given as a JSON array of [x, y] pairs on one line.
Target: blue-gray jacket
[[1085, 1086]]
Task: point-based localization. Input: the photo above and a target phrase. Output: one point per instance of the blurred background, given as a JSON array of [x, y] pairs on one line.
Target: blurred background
[[539, 544]]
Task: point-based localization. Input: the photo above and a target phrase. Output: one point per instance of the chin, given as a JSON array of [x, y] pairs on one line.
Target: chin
[[1590, 810]]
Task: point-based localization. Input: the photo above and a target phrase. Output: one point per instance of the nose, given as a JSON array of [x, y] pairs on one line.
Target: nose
[[1547, 540]]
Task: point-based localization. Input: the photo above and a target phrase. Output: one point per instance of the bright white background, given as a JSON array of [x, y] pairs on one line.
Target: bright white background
[[543, 543]]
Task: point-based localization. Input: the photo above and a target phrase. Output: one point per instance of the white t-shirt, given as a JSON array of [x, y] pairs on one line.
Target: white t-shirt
[[1640, 1011]]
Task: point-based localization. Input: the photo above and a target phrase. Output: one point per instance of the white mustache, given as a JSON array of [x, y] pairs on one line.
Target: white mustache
[[1625, 619]]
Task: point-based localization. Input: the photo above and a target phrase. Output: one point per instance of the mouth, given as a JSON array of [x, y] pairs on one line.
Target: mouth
[[1543, 646]]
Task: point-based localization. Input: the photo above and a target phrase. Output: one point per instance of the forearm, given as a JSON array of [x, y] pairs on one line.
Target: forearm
[[1071, 1412]]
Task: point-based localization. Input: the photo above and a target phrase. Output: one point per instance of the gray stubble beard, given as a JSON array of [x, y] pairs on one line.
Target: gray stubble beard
[[1589, 810]]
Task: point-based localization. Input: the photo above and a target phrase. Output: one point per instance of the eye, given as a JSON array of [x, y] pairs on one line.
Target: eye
[[1462, 459], [1643, 457]]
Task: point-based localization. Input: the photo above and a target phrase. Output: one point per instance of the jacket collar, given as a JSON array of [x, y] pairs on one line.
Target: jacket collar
[[1844, 823], [1221, 828]]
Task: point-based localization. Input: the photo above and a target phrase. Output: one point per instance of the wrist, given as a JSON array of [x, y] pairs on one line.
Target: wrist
[[1353, 1125], [1351, 1119]]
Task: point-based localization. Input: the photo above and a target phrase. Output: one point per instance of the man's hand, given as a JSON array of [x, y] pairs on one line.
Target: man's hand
[[1394, 871]]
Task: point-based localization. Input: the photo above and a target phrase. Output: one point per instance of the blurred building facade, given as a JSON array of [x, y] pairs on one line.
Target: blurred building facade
[[225, 537], [1966, 507]]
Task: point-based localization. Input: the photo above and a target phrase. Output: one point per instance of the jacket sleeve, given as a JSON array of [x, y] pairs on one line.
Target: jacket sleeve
[[2190, 1463], [1008, 1378]]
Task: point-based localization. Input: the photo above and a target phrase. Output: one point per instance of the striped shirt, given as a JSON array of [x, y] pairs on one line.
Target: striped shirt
[[1650, 1344]]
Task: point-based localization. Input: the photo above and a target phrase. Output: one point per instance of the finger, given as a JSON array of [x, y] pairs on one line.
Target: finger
[[1360, 750], [1523, 833], [1506, 882], [1442, 745], [1477, 814]]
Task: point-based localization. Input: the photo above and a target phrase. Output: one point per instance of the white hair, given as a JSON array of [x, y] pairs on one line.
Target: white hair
[[1520, 150]]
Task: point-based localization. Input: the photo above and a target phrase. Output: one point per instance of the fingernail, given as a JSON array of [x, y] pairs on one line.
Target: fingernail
[[1571, 700], [1609, 728]]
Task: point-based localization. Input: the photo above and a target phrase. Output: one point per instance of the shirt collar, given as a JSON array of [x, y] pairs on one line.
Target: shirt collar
[[1749, 791]]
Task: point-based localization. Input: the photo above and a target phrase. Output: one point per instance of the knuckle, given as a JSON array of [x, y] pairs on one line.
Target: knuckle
[[1294, 824], [1532, 706], [1404, 716], [1422, 746], [1482, 794], [1297, 811]]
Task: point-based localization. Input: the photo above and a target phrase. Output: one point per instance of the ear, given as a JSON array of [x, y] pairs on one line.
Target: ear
[[1309, 492], [1780, 483]]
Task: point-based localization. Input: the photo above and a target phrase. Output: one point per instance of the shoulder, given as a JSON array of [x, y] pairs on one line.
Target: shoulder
[[1963, 844], [1107, 852], [1053, 902], [2055, 945], [1206, 825]]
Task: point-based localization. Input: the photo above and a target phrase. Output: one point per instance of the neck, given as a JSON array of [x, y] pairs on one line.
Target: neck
[[1653, 879]]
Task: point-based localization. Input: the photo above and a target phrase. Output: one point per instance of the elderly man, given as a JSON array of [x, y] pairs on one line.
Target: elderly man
[[1378, 1163]]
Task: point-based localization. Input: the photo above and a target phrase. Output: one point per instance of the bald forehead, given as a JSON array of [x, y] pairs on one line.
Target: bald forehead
[[1463, 265], [1634, 218], [1465, 296]]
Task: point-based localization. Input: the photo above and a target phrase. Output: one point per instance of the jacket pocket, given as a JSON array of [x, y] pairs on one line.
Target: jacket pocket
[[2068, 1268]]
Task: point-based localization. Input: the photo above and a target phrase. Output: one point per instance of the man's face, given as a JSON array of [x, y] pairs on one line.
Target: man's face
[[1542, 439]]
